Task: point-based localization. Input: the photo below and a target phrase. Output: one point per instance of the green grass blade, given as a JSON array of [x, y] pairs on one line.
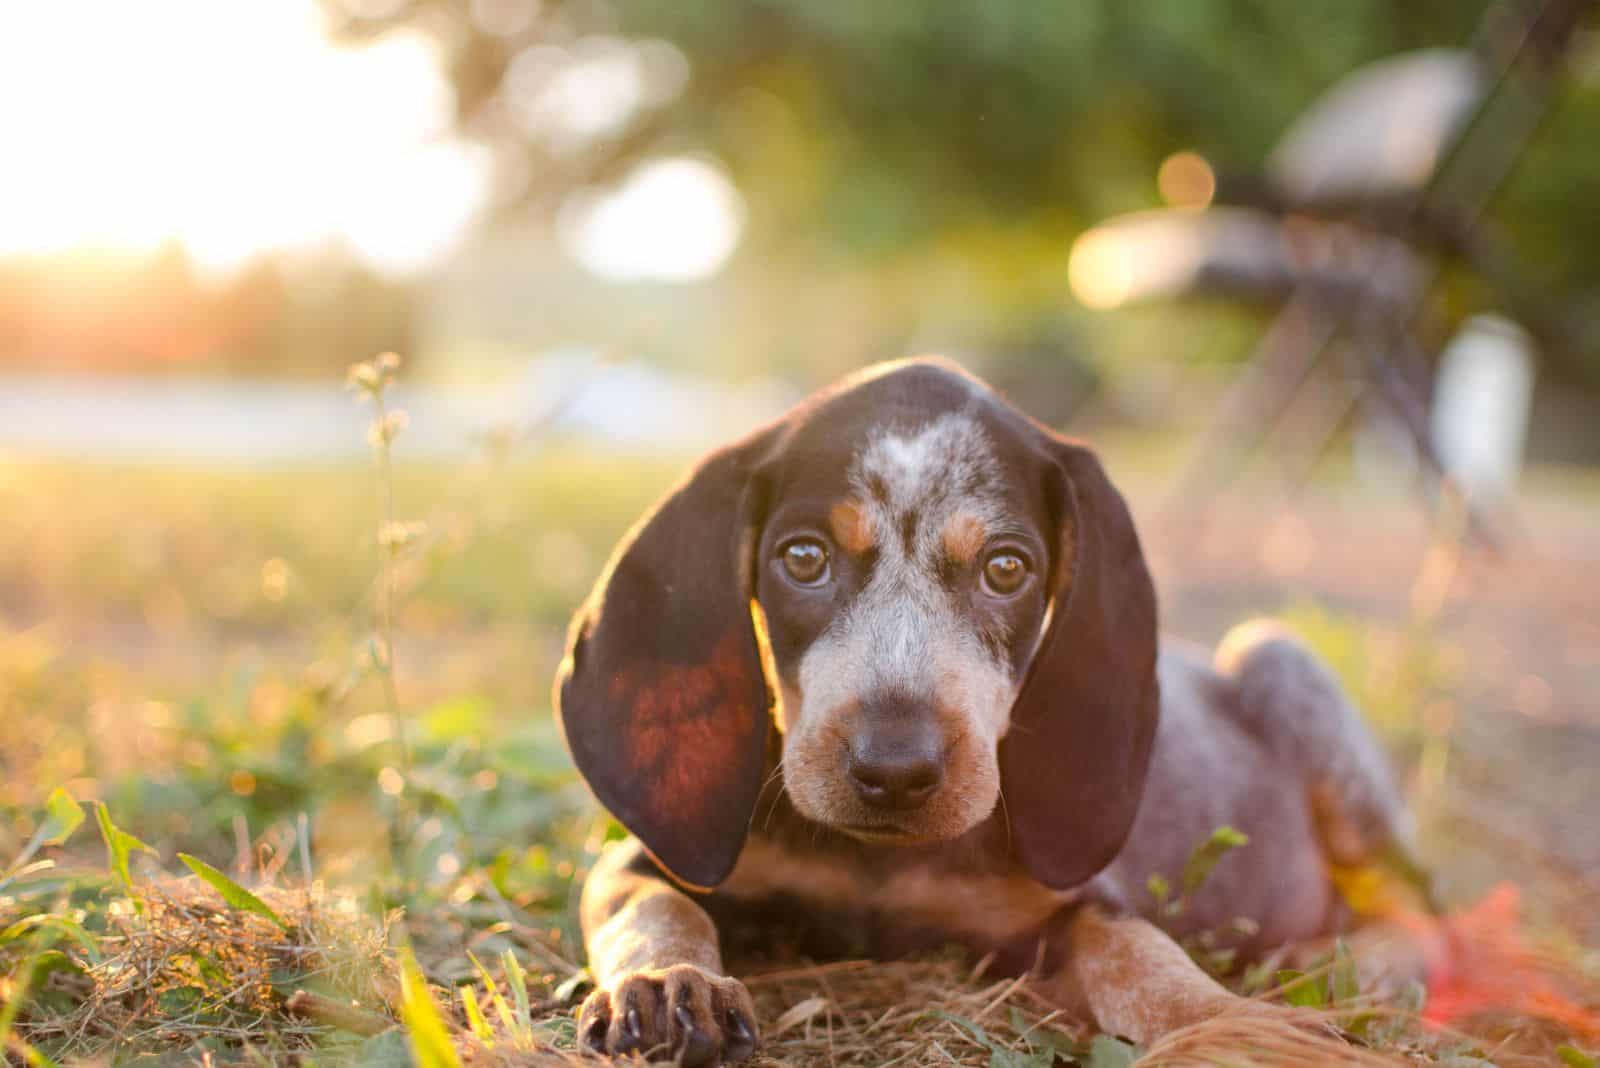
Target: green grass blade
[[119, 845], [230, 891], [62, 816], [54, 921], [1201, 862], [501, 1009], [517, 977], [430, 1039], [14, 1001], [475, 1018]]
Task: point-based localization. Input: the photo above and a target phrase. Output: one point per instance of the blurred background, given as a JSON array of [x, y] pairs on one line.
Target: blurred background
[[1322, 281]]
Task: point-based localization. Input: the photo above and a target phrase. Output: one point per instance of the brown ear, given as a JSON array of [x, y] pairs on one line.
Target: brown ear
[[1073, 763], [661, 696]]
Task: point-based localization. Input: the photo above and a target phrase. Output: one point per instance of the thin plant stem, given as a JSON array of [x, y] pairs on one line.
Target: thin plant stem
[[387, 548]]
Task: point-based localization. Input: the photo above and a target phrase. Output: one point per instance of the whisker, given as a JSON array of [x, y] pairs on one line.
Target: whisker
[[776, 771], [772, 807]]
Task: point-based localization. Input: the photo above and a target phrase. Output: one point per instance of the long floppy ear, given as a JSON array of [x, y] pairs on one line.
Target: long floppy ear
[[661, 695], [1073, 762]]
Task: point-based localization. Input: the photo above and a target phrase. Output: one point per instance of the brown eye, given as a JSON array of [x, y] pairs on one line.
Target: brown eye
[[806, 561], [1004, 573]]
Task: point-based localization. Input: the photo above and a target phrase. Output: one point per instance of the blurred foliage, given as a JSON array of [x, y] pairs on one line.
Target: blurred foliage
[[919, 171], [879, 126], [914, 176]]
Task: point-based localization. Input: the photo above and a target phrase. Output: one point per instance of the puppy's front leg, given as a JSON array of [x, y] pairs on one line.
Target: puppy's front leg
[[658, 969], [1133, 980]]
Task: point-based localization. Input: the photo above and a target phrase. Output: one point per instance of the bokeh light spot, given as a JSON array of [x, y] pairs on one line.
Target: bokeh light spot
[[1186, 180], [671, 220]]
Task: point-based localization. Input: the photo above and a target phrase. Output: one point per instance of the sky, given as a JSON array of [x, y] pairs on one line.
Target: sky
[[237, 129]]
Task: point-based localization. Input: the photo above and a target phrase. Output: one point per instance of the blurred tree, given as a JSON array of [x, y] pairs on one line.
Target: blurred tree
[[931, 150]]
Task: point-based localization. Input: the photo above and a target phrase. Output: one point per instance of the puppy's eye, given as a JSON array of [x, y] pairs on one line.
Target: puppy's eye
[[806, 561], [1004, 573]]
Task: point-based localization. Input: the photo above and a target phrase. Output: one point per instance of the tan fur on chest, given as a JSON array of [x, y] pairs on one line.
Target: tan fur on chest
[[988, 908]]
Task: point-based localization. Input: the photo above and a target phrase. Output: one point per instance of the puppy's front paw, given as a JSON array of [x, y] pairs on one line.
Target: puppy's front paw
[[681, 1013]]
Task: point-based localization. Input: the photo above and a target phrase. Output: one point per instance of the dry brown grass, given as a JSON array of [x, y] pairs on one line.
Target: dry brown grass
[[190, 970]]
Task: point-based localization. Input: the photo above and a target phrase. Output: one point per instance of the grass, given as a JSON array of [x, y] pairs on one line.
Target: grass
[[269, 876]]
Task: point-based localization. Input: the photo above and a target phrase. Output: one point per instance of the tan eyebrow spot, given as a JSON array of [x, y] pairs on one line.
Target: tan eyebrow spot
[[964, 534], [851, 528]]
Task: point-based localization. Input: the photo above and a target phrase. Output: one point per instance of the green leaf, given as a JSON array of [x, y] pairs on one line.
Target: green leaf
[[230, 891], [1159, 889], [119, 844], [978, 1034], [1108, 1052], [387, 1050], [55, 922], [62, 815], [1301, 989], [430, 1040], [1201, 862], [1575, 1058]]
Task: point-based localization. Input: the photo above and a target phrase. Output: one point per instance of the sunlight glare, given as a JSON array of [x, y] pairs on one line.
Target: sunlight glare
[[230, 126], [671, 220]]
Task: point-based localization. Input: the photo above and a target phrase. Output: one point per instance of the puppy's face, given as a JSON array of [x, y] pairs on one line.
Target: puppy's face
[[902, 576], [901, 539]]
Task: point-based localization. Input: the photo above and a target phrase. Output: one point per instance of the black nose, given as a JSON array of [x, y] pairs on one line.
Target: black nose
[[897, 766]]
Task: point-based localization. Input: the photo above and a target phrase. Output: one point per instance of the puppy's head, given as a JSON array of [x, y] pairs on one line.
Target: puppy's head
[[955, 609]]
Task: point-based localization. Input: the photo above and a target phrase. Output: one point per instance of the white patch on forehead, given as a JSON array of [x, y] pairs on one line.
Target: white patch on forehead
[[941, 466]]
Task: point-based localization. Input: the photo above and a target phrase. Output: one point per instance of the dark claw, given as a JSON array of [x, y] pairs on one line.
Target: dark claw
[[630, 1037], [742, 1037], [697, 1048]]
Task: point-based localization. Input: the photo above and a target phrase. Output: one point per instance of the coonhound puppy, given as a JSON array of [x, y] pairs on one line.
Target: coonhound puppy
[[884, 675]]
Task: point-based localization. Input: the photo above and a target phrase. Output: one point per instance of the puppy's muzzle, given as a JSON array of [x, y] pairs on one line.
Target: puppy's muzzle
[[896, 759]]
